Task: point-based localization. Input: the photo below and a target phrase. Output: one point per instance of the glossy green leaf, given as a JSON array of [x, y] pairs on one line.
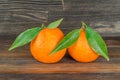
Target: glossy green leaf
[[67, 41], [96, 42], [55, 24], [25, 37]]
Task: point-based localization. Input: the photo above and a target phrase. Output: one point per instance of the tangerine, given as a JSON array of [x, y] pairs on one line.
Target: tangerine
[[81, 50], [44, 43]]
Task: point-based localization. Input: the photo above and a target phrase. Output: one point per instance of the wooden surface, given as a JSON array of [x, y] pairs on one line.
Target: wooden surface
[[20, 65], [19, 15]]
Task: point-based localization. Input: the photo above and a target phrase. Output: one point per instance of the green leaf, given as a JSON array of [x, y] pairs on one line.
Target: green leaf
[[67, 41], [55, 24], [96, 42], [25, 37]]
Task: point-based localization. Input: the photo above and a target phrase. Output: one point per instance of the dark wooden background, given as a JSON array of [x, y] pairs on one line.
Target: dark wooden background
[[19, 15]]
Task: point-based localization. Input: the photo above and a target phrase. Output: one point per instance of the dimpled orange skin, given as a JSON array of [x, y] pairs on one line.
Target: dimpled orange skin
[[44, 43], [81, 50]]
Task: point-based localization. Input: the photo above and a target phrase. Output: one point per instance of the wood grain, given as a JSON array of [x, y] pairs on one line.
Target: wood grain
[[19, 15], [20, 65], [62, 76], [21, 61], [104, 16]]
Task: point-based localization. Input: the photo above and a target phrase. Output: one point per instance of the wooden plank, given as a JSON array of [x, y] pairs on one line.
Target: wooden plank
[[91, 5], [62, 76], [31, 5], [36, 5], [105, 24], [61, 68], [15, 22], [21, 61], [104, 16], [19, 15]]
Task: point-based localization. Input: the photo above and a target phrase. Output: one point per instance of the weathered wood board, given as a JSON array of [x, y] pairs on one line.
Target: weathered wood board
[[19, 15], [19, 64]]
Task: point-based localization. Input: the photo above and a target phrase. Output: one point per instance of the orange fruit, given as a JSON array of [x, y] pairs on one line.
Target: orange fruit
[[44, 43], [81, 50]]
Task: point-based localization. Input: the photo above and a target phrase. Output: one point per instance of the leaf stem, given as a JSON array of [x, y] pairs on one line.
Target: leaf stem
[[83, 25], [43, 26]]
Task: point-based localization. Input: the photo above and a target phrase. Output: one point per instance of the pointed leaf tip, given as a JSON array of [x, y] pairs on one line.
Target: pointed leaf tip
[[108, 59], [10, 49], [55, 24]]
